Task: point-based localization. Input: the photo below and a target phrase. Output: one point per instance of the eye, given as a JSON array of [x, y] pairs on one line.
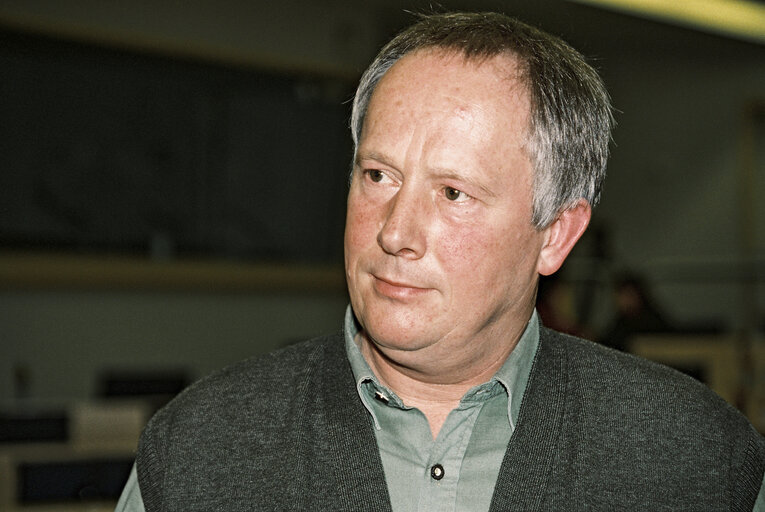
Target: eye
[[452, 194], [375, 175]]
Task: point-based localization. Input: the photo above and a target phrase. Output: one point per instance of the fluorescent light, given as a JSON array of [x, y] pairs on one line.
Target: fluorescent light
[[743, 19]]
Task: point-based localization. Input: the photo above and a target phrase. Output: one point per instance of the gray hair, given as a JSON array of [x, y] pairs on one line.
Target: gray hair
[[570, 119]]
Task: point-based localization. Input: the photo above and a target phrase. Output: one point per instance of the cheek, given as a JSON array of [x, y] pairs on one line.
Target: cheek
[[359, 226], [484, 255], [463, 250]]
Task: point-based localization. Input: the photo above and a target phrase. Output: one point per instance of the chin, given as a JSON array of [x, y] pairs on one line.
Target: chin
[[389, 334], [406, 324]]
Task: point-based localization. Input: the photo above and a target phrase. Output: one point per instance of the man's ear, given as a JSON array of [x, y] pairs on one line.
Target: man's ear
[[562, 235]]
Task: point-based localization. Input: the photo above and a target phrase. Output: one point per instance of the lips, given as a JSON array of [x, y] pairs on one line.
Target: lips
[[395, 289]]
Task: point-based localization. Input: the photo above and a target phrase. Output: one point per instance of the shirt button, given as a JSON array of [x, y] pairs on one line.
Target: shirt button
[[437, 472]]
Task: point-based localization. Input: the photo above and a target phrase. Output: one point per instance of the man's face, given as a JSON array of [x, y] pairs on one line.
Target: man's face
[[440, 252]]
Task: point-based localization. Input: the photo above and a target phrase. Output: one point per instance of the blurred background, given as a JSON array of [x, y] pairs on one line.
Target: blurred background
[[172, 186]]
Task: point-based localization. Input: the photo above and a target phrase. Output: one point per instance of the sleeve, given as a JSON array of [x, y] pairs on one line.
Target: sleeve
[[130, 500]]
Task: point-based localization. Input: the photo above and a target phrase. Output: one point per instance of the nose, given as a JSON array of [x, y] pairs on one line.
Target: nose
[[403, 231]]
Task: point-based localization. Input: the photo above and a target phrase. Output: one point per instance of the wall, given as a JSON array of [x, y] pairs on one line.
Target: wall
[[676, 197], [65, 338]]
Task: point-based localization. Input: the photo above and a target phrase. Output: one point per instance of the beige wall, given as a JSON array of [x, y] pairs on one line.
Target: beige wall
[[66, 338]]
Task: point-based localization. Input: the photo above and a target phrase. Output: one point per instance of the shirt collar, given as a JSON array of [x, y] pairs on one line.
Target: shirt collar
[[513, 375]]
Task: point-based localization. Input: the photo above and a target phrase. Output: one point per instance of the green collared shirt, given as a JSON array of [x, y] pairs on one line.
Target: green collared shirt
[[457, 470]]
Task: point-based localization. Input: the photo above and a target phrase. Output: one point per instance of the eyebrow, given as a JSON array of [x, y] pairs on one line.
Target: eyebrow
[[373, 155]]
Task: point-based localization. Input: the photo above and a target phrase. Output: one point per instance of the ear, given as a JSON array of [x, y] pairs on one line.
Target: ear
[[562, 235]]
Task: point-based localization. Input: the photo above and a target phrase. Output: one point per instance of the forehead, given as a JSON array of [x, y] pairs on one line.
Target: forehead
[[501, 70], [461, 106], [431, 74]]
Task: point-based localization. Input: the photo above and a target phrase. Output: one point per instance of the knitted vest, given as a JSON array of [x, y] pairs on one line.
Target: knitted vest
[[597, 430]]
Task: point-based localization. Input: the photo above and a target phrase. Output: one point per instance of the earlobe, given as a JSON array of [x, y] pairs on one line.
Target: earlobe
[[562, 235]]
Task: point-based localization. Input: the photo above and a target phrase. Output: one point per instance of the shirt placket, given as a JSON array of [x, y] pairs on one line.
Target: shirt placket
[[441, 471]]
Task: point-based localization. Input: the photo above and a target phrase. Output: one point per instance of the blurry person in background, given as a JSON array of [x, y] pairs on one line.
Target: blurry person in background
[[556, 306], [636, 312]]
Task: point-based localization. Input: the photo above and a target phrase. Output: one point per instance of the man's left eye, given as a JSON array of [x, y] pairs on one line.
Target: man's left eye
[[452, 194]]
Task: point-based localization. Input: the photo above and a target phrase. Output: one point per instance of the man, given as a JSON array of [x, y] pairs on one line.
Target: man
[[480, 149]]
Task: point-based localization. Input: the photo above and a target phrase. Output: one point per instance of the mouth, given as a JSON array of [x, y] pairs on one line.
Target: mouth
[[395, 289]]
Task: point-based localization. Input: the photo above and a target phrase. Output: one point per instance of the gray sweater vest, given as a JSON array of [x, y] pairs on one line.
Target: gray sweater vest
[[598, 430]]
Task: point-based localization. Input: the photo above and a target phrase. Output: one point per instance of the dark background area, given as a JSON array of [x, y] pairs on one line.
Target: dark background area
[[116, 151]]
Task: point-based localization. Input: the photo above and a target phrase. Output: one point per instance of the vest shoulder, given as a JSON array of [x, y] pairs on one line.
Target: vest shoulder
[[256, 382], [613, 382], [260, 431], [647, 432]]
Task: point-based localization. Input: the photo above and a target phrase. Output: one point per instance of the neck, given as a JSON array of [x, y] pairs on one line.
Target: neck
[[434, 390]]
